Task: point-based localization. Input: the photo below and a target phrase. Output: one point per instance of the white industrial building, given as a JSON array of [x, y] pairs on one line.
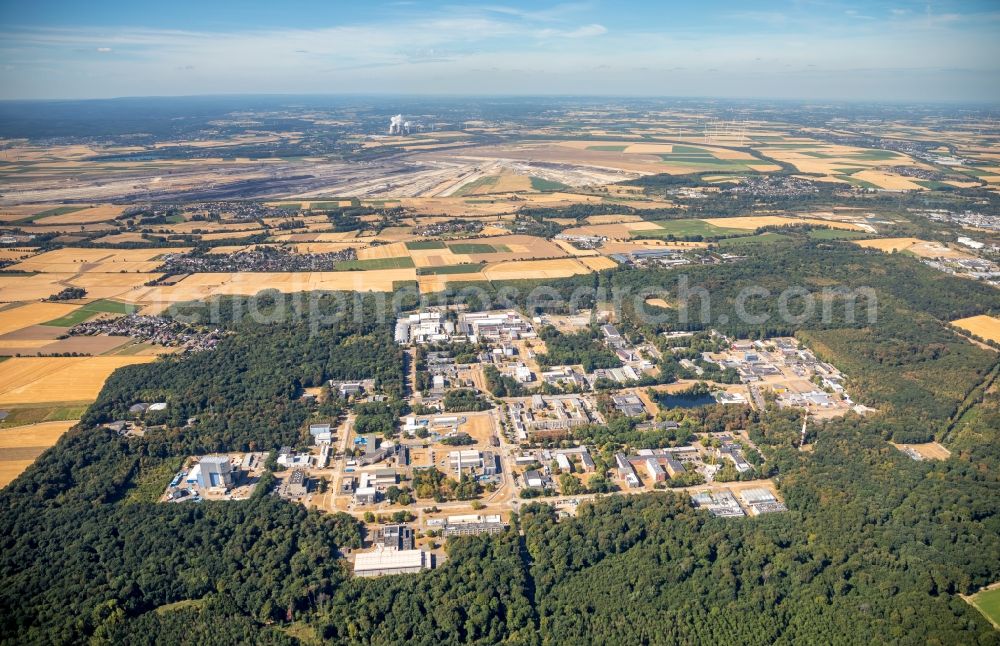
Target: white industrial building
[[321, 433], [382, 561], [423, 327], [494, 326]]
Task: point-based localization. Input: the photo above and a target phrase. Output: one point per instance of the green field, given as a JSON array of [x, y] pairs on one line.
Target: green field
[[416, 245], [682, 228], [472, 248], [934, 185], [837, 234], [764, 238], [402, 262], [988, 603], [46, 413], [610, 149], [690, 156], [483, 182], [539, 184], [314, 206], [59, 210], [465, 268], [691, 151], [290, 206], [89, 310]]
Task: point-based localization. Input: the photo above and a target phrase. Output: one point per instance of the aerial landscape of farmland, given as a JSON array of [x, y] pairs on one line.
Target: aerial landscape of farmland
[[472, 325]]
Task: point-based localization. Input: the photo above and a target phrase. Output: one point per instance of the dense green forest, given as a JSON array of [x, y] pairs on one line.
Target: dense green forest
[[875, 547], [581, 348], [903, 361], [461, 400]]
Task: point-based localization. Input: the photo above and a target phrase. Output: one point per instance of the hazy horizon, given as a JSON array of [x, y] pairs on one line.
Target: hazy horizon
[[944, 102]]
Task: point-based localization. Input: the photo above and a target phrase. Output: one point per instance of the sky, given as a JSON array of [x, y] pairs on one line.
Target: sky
[[813, 50]]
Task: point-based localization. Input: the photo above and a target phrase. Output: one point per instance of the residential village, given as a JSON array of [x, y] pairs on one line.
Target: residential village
[[492, 425]]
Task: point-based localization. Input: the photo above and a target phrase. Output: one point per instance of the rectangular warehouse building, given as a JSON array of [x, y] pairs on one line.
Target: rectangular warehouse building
[[384, 561]]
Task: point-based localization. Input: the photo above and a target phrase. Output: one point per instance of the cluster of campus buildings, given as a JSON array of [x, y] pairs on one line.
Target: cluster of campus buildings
[[771, 360], [395, 550], [550, 416], [215, 476], [472, 327], [755, 501], [660, 465]]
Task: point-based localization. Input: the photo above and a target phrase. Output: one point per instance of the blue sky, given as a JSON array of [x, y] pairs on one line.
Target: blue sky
[[932, 51]]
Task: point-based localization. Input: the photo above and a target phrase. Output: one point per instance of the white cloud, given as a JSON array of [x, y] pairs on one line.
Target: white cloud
[[587, 31]]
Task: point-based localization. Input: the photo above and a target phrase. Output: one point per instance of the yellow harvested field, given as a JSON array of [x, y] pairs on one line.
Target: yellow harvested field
[[835, 157], [111, 285], [72, 260], [22, 316], [20, 445], [20, 212], [15, 254], [888, 244], [621, 231], [649, 149], [524, 269], [19, 344], [756, 222], [305, 219], [31, 288], [236, 248], [316, 237], [39, 286], [522, 247], [510, 182], [225, 235], [202, 286], [568, 247], [84, 216], [888, 181], [658, 302], [612, 219], [118, 238], [393, 234], [983, 326], [193, 226], [439, 282], [36, 380], [392, 250], [324, 247], [41, 434], [597, 263]]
